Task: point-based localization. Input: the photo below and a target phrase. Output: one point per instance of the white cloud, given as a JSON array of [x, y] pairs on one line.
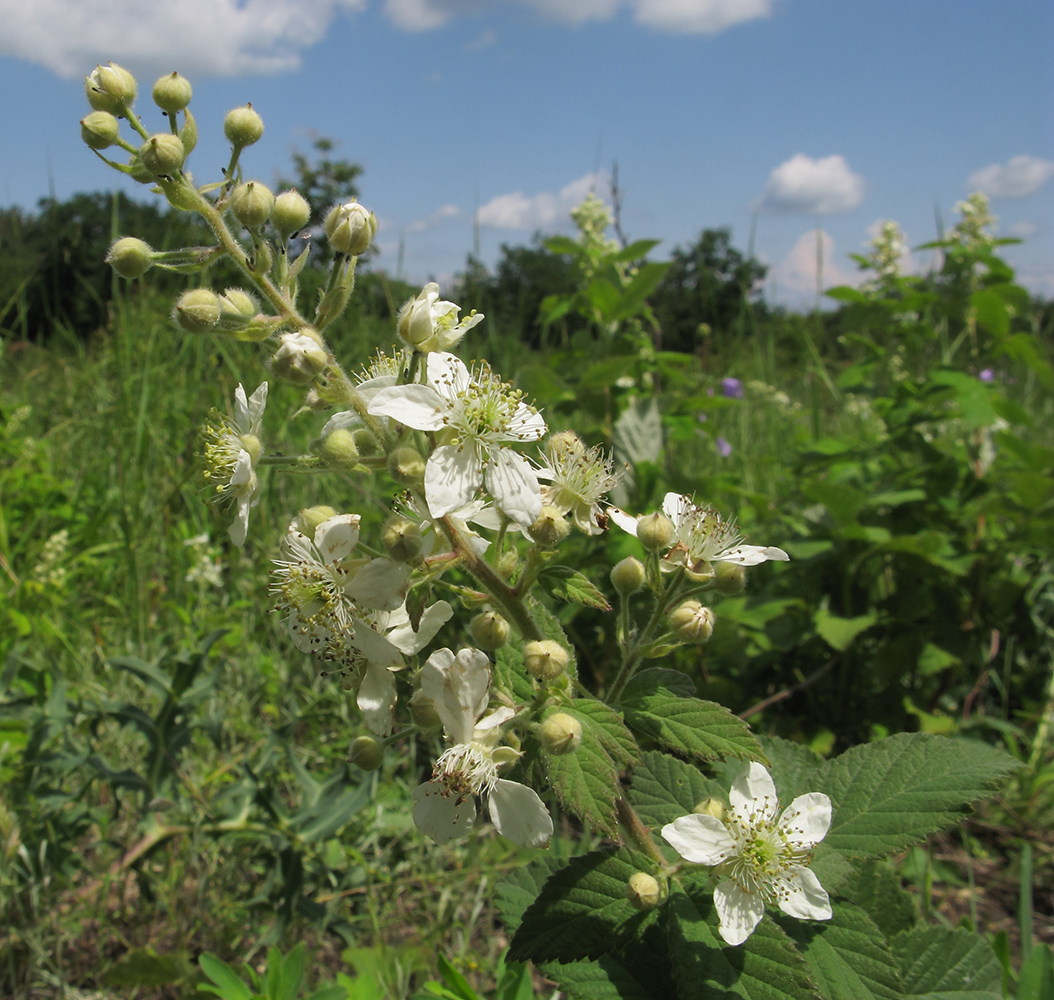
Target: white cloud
[[1019, 176], [1023, 229], [220, 37], [484, 40], [538, 211], [436, 218], [706, 17], [804, 186], [795, 275]]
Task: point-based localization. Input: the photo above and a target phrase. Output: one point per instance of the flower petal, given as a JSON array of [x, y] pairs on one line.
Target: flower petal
[[526, 424], [458, 686], [240, 528], [807, 819], [254, 410], [801, 895], [751, 555], [376, 648], [380, 584], [447, 374], [404, 638], [376, 699], [441, 815], [336, 537], [452, 476], [513, 484], [519, 814], [417, 406], [699, 838], [740, 912], [753, 793], [627, 522]]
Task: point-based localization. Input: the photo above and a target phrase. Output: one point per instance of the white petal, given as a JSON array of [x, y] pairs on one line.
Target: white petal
[[403, 637], [376, 699], [336, 537], [452, 476], [753, 792], [751, 555], [447, 374], [459, 687], [699, 838], [674, 506], [627, 522], [513, 484], [492, 720], [255, 408], [376, 648], [807, 819], [740, 912], [380, 584], [417, 406], [519, 814], [241, 410], [342, 421], [526, 424], [802, 896], [441, 816], [240, 528]]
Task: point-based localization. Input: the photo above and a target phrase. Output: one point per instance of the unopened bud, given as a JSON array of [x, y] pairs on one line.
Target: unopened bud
[[300, 357], [402, 538], [711, 807], [197, 310], [643, 891], [172, 93], [237, 309], [545, 659], [406, 465], [130, 257], [99, 129], [162, 154], [489, 630], [627, 576], [566, 443], [251, 204], [655, 531], [730, 578], [308, 519], [243, 127], [561, 733], [350, 228], [367, 753], [338, 449], [290, 214], [423, 712], [692, 622], [550, 528], [110, 88], [366, 441]]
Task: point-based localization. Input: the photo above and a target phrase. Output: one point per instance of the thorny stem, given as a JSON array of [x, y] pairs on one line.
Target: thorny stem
[[637, 831]]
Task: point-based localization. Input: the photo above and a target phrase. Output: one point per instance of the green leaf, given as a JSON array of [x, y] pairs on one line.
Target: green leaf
[[845, 293], [793, 766], [641, 285], [563, 244], [519, 888], [144, 967], [605, 979], [292, 973], [765, 967], [582, 910], [570, 585], [876, 889], [848, 955], [839, 633], [939, 963], [635, 251], [656, 705], [664, 788], [888, 794], [228, 985], [1036, 981]]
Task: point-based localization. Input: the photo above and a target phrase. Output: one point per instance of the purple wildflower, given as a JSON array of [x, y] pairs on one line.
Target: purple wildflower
[[724, 449], [732, 388]]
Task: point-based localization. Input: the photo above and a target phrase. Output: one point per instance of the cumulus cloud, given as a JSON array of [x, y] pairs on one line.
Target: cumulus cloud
[[804, 186], [538, 211], [706, 17], [1019, 176], [436, 218], [218, 37], [796, 274]]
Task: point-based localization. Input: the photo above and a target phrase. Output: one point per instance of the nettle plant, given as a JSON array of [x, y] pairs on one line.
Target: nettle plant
[[705, 885]]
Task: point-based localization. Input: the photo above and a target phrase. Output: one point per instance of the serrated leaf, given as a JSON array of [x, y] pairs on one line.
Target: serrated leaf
[[519, 888], [765, 967], [664, 788], [793, 766], [511, 675], [582, 910], [848, 955], [940, 963], [228, 984], [876, 889], [605, 979], [839, 633], [888, 794], [570, 585], [702, 730]]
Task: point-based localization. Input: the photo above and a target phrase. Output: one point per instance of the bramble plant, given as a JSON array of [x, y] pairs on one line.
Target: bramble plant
[[704, 886]]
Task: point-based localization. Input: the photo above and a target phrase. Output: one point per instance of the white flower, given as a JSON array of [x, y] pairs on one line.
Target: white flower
[[579, 478], [762, 856], [445, 807], [232, 448], [428, 323], [701, 538], [479, 414]]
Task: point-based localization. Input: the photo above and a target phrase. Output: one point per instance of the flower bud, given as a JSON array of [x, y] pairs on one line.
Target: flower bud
[[300, 357], [401, 538], [730, 578], [545, 659], [197, 310], [290, 214], [172, 93], [643, 891], [423, 712], [110, 88], [308, 519], [251, 204], [99, 129], [627, 576], [406, 465], [489, 630], [243, 127], [338, 449], [367, 753], [566, 443], [561, 733], [162, 154], [137, 171], [655, 531], [366, 441], [237, 309], [130, 257], [350, 228], [711, 807], [692, 622], [550, 528]]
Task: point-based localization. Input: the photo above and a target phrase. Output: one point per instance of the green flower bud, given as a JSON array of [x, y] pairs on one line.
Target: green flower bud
[[366, 441], [655, 532], [162, 154], [243, 127], [402, 539], [730, 578], [130, 257], [251, 204], [138, 172], [338, 449], [300, 358], [692, 622], [627, 576], [290, 214], [406, 465], [350, 228], [172, 93], [489, 630], [643, 891], [545, 659], [110, 88], [566, 443], [711, 807], [561, 733], [308, 519], [99, 130], [197, 310], [550, 528], [423, 712], [237, 309], [367, 753]]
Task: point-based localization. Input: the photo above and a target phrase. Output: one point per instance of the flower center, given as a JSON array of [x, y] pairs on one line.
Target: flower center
[[466, 769]]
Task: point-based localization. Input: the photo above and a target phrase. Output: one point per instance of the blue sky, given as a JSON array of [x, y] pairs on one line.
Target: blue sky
[[797, 114]]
